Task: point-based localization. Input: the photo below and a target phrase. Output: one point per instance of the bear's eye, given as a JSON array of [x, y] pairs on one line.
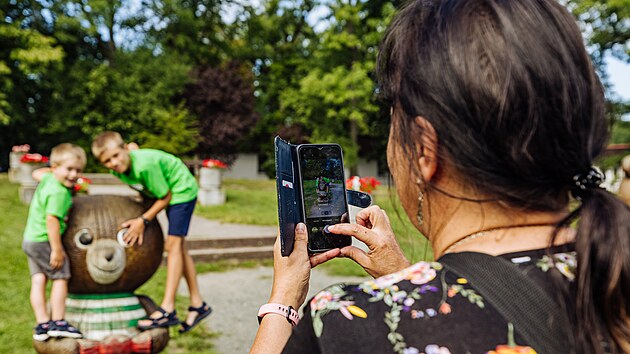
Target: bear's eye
[[83, 239], [120, 237]]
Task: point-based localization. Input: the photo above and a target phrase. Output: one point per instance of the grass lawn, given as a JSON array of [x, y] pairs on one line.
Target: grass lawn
[[18, 318], [254, 202], [248, 202]]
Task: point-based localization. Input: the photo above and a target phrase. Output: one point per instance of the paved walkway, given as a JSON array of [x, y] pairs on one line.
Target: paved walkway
[[235, 297], [201, 227]]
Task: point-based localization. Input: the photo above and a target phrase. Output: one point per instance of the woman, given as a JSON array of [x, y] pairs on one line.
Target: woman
[[497, 117]]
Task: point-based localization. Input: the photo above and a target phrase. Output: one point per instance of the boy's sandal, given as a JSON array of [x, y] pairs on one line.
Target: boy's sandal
[[203, 311], [166, 320]]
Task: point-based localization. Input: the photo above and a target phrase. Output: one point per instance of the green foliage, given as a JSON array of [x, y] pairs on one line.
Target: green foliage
[[134, 98], [192, 30], [70, 69], [335, 101], [621, 133], [330, 103], [173, 132], [25, 55], [278, 42], [606, 25]]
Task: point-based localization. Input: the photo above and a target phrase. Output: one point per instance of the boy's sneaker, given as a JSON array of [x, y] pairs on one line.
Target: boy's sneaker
[[40, 332], [62, 328]]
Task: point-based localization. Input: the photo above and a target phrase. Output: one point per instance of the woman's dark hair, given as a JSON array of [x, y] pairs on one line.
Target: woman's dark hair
[[518, 110]]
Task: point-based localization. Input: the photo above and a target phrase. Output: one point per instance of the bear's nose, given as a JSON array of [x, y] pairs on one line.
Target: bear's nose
[[105, 260]]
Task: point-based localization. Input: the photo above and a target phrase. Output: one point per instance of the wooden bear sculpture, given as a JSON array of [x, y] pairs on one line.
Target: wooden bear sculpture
[[105, 273]]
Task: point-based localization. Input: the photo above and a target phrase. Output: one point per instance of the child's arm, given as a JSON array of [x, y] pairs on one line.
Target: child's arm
[[57, 254], [136, 226], [39, 173]]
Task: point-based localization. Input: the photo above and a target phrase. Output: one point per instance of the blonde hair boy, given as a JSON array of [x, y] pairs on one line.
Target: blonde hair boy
[[42, 240], [104, 141], [67, 151], [166, 179]]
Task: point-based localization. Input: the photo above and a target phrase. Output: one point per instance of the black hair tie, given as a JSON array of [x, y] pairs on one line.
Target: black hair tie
[[585, 183]]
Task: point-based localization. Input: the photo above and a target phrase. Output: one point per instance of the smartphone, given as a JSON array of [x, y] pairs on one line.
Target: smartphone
[[323, 194]]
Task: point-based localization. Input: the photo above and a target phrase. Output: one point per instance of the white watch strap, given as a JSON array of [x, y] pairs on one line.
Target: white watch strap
[[286, 311]]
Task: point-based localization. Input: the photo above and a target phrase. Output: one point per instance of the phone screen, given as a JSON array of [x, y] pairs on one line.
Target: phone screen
[[323, 194]]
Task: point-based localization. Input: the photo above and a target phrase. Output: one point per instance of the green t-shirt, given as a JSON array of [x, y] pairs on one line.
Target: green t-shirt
[[154, 172], [50, 198]]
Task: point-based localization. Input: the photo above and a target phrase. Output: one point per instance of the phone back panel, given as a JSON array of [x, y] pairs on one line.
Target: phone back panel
[[287, 186]]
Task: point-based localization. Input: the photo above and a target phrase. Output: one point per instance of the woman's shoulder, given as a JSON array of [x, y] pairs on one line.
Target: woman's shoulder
[[424, 305], [427, 276]]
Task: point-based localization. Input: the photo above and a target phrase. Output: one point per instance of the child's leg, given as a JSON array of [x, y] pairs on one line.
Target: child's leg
[[60, 327], [58, 295], [190, 274], [38, 297], [174, 266], [198, 309], [174, 269]]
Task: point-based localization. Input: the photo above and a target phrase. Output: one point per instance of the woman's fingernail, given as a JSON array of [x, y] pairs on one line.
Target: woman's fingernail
[[330, 227], [300, 227]]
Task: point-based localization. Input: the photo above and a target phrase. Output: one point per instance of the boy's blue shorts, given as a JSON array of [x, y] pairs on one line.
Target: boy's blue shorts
[[179, 216]]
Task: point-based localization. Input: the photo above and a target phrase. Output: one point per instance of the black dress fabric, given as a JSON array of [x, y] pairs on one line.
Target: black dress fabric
[[423, 309]]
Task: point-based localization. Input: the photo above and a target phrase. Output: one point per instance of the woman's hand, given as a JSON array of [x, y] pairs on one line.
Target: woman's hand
[[290, 285], [291, 274], [373, 229]]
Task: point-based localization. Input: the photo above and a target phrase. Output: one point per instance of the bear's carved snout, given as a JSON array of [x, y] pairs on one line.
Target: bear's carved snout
[[106, 261]]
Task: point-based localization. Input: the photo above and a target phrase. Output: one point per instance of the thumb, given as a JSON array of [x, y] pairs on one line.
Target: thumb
[[301, 237], [356, 254]]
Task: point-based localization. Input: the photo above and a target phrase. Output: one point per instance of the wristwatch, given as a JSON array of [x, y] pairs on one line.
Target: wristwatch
[[288, 312], [145, 220]]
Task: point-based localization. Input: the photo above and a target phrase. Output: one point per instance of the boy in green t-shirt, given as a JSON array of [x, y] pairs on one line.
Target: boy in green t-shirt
[[42, 240], [157, 174]]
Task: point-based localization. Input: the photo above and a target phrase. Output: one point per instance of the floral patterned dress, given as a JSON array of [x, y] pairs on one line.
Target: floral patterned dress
[[422, 309]]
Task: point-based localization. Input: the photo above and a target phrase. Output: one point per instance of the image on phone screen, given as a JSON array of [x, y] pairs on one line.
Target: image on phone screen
[[323, 194]]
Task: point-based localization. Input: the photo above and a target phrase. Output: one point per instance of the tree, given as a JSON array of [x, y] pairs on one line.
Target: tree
[[222, 99], [606, 27], [26, 57], [138, 98], [337, 100], [191, 28], [278, 42]]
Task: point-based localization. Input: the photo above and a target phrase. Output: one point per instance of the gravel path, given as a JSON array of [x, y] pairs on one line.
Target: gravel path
[[235, 297]]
